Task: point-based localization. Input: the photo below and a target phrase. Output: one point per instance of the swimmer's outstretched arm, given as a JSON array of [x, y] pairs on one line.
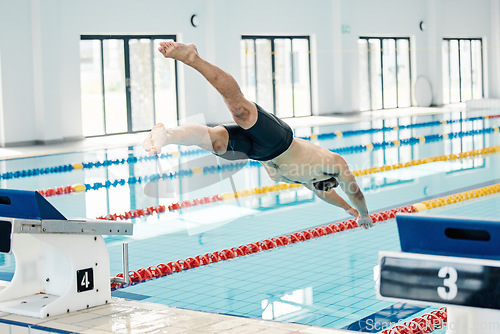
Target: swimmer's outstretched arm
[[186, 134], [351, 188], [336, 165], [330, 196]]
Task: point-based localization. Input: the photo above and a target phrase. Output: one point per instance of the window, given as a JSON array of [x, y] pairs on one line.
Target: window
[[385, 72], [276, 73], [126, 84], [462, 69]]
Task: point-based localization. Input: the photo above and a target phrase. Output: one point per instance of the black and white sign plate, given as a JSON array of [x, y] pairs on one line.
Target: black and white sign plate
[[84, 280], [439, 279]]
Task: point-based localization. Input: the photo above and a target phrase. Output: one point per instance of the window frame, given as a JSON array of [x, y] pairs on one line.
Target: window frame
[[381, 39], [448, 40], [126, 39], [272, 38]]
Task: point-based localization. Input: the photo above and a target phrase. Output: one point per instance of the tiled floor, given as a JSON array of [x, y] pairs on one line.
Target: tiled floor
[[331, 285], [124, 316]]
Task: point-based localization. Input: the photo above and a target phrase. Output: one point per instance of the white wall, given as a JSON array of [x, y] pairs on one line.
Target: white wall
[[367, 18], [493, 50], [127, 17], [2, 134], [39, 48], [293, 17], [17, 71]]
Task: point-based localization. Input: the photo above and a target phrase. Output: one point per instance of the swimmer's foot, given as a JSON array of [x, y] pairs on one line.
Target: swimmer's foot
[[186, 53], [157, 138]]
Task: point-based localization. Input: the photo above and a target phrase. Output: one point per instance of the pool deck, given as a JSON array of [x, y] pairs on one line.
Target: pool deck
[[126, 316]]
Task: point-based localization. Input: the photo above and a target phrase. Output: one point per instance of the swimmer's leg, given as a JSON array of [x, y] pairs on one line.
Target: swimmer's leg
[[243, 111], [210, 139]]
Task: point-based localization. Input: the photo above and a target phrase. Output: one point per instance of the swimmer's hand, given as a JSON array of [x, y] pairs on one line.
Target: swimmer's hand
[[156, 139], [365, 222]]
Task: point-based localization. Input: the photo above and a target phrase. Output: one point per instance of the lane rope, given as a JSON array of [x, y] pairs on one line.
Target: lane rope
[[164, 269], [145, 274], [132, 159], [285, 186], [350, 133], [424, 324], [212, 169]]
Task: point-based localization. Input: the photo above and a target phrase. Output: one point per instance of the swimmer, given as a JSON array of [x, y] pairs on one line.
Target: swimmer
[[260, 136]]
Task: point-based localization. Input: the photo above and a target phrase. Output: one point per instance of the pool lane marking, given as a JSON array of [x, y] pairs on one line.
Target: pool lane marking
[[146, 274], [285, 186], [177, 154], [426, 323], [155, 177]]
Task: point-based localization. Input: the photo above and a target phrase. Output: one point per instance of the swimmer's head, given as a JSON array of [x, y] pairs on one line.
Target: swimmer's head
[[326, 185]]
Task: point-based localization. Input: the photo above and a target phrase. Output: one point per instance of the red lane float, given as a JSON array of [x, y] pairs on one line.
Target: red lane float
[[152, 272], [426, 323], [162, 208]]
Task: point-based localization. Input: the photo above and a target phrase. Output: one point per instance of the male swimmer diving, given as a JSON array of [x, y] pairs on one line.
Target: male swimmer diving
[[260, 136]]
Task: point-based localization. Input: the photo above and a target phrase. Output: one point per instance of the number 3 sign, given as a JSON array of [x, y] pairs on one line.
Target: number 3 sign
[[450, 290]]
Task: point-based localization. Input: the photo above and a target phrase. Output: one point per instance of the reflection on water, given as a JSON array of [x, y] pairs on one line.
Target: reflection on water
[[287, 305]]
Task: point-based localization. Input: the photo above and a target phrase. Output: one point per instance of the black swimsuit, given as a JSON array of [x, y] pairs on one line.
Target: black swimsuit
[[265, 140]]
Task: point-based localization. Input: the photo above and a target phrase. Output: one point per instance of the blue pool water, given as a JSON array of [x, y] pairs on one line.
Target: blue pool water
[[326, 281]]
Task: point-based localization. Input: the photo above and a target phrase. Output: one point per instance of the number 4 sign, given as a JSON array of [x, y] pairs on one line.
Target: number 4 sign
[[84, 280]]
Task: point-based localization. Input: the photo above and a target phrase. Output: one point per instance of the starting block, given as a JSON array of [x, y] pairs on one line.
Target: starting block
[[446, 261], [62, 265]]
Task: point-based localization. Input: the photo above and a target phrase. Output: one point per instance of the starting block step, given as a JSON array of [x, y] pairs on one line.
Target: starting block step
[[449, 236], [26, 205], [29, 305], [62, 265]]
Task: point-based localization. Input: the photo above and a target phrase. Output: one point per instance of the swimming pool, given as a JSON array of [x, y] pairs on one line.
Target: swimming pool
[[325, 281]]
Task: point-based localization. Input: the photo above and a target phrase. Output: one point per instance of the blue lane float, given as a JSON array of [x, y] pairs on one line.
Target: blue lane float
[[250, 163], [194, 152]]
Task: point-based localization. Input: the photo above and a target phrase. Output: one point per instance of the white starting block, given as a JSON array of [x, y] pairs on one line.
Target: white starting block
[[62, 265], [446, 261]]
